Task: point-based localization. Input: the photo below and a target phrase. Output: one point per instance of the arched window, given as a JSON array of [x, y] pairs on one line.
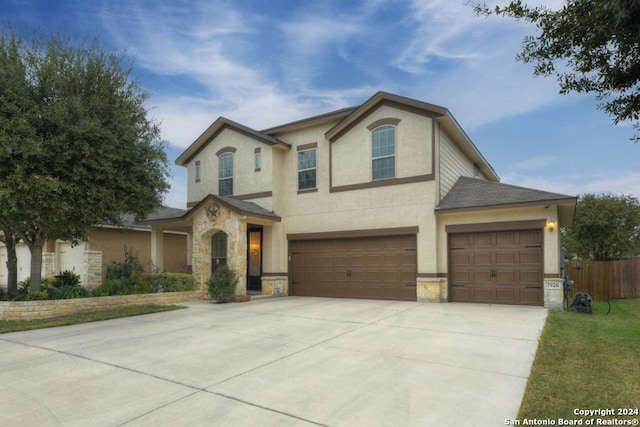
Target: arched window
[[218, 251], [383, 145], [225, 174]]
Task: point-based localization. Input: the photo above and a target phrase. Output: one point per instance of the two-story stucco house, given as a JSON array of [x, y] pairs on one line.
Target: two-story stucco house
[[386, 200]]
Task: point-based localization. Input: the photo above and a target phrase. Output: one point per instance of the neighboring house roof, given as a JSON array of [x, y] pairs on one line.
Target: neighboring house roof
[[242, 207], [440, 114], [218, 126], [470, 194]]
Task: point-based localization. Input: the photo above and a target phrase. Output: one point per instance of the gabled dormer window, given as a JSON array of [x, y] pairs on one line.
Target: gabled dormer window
[[225, 174], [383, 144]]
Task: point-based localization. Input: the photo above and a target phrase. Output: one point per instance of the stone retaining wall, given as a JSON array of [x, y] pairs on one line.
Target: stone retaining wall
[[29, 310]]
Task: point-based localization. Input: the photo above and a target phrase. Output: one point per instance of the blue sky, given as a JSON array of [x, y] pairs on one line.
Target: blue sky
[[264, 63]]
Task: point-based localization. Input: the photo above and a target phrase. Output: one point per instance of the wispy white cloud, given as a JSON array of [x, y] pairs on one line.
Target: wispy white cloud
[[624, 182], [535, 163]]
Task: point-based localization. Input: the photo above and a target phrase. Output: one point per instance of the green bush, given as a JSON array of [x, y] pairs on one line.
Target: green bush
[[164, 282], [67, 278], [222, 284], [3, 294], [111, 287], [128, 269], [23, 290], [66, 285], [37, 296]]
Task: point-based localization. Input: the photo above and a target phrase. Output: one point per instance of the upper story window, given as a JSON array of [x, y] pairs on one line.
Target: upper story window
[[225, 174], [383, 143], [197, 170], [307, 169], [257, 159]]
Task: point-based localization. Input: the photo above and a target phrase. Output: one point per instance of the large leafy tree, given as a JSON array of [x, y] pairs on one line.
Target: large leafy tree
[[606, 228], [76, 146], [590, 46]]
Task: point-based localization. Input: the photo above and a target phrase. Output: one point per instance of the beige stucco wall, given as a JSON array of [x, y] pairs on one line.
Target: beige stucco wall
[[551, 239], [352, 157], [246, 180]]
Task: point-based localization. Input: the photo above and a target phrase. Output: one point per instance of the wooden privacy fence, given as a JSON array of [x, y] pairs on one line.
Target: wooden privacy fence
[[606, 279]]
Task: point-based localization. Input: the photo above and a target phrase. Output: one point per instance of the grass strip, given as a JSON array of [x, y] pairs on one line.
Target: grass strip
[[25, 325], [586, 361]]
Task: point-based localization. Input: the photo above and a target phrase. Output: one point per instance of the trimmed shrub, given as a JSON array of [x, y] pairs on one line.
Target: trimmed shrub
[[114, 287], [164, 282], [222, 285]]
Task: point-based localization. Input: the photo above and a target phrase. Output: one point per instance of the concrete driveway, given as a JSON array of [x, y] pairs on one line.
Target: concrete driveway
[[276, 362]]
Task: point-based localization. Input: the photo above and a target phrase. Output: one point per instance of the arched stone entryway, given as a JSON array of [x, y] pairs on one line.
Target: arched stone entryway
[[209, 220], [234, 217]]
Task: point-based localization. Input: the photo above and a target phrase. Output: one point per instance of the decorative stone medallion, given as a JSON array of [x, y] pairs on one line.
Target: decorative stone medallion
[[213, 211]]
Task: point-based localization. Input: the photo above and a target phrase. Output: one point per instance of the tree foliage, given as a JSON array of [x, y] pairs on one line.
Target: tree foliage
[[590, 46], [606, 228], [76, 146]]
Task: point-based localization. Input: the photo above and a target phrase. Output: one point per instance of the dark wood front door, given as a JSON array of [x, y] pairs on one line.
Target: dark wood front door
[[503, 267], [254, 259], [372, 267]]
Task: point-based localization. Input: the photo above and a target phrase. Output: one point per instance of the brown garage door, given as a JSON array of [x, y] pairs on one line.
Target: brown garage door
[[372, 267], [500, 267]]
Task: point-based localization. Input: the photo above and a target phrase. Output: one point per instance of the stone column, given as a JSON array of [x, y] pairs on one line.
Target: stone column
[[553, 293]]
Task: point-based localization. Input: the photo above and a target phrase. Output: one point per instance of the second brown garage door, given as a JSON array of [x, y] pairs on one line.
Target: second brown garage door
[[502, 267], [372, 267]]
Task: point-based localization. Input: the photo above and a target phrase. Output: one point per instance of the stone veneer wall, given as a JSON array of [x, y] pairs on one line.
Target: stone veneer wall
[[432, 290], [275, 286], [204, 227], [29, 310]]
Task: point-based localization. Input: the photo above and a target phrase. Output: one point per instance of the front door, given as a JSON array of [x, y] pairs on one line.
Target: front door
[[254, 259]]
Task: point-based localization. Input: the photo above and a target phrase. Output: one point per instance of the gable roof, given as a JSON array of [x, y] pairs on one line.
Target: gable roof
[[218, 126], [242, 207], [441, 114], [311, 121], [471, 194]]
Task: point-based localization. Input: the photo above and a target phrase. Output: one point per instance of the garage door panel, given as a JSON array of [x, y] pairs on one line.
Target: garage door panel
[[378, 268], [497, 267], [506, 295], [482, 294], [509, 276], [531, 296], [482, 258], [530, 277], [530, 238], [481, 276], [506, 258], [530, 257], [460, 293], [480, 240]]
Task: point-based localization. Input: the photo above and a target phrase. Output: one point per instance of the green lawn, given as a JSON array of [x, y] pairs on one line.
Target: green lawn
[[25, 325], [587, 362]]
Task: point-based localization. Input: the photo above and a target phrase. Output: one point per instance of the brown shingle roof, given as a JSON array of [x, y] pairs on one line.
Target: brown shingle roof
[[241, 206], [469, 193]]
